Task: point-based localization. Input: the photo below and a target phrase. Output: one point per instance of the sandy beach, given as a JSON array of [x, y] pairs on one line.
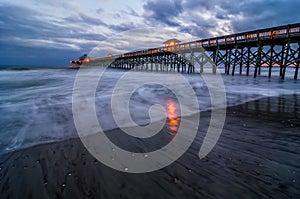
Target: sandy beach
[[257, 156]]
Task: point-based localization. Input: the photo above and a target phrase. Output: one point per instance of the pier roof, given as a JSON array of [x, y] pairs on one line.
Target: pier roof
[[171, 42]]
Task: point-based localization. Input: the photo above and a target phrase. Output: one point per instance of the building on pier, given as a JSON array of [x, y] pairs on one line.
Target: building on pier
[[171, 42]]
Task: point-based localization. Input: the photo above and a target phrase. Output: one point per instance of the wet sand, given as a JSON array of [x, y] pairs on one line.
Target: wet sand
[[257, 156]]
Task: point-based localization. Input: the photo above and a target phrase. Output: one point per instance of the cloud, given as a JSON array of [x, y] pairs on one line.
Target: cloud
[[43, 43], [262, 14], [81, 18], [132, 12], [237, 16], [200, 18], [137, 39], [164, 12], [123, 27], [52, 26], [99, 10], [204, 18], [32, 29]]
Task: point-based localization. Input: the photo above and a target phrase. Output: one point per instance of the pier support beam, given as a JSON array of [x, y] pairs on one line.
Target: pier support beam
[[281, 60], [258, 59], [297, 62], [215, 60], [201, 63], [248, 60], [228, 61], [285, 59], [271, 61], [241, 60], [234, 60]]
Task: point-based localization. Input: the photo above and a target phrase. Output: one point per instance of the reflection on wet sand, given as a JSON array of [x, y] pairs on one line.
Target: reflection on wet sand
[[173, 119], [281, 108], [267, 104]]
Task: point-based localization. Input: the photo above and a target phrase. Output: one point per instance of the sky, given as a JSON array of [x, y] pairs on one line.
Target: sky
[[52, 32]]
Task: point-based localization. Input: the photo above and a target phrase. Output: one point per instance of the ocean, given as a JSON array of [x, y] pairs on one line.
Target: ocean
[[36, 102]]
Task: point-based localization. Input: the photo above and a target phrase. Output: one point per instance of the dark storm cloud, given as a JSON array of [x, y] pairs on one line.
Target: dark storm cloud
[[188, 16], [30, 34], [248, 15], [26, 23], [164, 12], [201, 18], [198, 31], [263, 14], [210, 18], [231, 7], [28, 29], [200, 26], [15, 22]]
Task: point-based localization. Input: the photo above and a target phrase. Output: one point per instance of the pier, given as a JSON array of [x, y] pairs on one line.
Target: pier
[[271, 47]]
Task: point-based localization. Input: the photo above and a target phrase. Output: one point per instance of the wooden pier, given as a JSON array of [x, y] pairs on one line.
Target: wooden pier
[[271, 47]]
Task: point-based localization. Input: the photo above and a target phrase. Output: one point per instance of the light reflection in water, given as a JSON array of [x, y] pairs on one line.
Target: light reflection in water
[[173, 119]]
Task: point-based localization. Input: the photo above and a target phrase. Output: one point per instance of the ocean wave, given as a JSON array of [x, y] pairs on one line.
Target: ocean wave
[[36, 105]]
